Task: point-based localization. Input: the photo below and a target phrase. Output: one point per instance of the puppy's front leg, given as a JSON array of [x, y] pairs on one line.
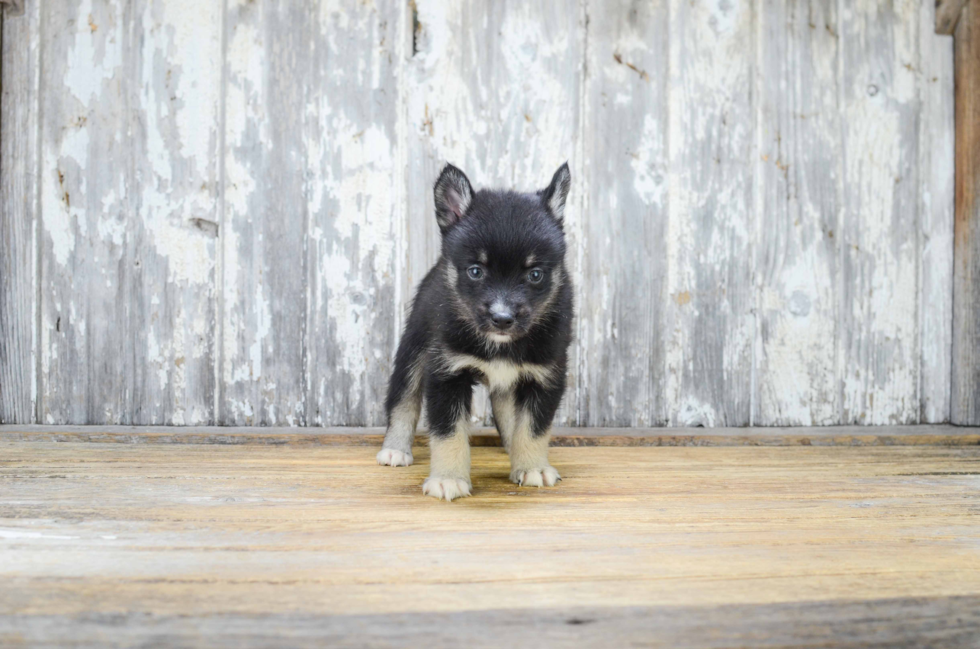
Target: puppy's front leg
[[534, 409], [448, 400]]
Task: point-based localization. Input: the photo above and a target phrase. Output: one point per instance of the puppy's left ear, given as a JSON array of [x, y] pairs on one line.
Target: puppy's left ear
[[555, 194]]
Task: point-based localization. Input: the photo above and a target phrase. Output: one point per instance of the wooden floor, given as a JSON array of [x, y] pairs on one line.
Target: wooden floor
[[112, 544]]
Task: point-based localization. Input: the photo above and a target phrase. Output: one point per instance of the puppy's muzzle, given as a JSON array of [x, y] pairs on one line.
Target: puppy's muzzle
[[501, 317]]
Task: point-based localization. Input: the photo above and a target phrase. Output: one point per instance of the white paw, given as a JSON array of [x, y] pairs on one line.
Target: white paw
[[446, 488], [391, 457], [543, 477]]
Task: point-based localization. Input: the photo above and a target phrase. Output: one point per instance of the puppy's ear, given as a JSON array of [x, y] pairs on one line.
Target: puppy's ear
[[555, 194], [453, 194]]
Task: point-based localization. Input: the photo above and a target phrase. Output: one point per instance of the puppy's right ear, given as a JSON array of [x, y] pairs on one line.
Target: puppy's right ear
[[453, 194]]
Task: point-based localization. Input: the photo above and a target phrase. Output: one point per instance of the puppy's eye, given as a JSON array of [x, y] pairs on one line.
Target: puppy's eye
[[535, 276], [474, 272]]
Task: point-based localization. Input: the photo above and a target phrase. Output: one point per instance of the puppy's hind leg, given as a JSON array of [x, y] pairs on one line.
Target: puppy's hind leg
[[404, 403]]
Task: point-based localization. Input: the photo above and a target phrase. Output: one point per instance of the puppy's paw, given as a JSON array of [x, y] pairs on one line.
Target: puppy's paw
[[445, 488], [392, 457], [545, 476]]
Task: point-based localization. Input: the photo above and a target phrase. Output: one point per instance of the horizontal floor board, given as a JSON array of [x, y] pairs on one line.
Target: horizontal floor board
[[902, 623], [251, 544], [928, 435]]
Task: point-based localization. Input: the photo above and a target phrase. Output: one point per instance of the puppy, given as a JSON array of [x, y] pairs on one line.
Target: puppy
[[496, 308]]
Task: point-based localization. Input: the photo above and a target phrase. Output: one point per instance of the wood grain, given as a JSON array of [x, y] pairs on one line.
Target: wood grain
[[798, 174], [120, 544], [355, 201], [879, 335], [311, 195], [710, 322], [88, 283], [937, 152], [231, 212], [896, 623], [19, 214], [128, 174], [922, 435], [623, 267], [965, 407], [264, 296]]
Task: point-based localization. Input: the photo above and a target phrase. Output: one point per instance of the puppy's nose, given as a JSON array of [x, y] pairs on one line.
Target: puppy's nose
[[502, 318]]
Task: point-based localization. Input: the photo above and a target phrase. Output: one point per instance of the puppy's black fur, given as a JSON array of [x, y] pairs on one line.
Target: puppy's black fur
[[496, 307]]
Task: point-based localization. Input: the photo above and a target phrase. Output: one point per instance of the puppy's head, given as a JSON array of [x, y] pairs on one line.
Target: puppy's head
[[505, 252]]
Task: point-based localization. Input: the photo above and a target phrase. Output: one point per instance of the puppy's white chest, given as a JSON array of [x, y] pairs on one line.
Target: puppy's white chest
[[501, 374]]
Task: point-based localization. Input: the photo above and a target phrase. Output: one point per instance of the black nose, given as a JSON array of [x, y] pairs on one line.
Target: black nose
[[502, 319]]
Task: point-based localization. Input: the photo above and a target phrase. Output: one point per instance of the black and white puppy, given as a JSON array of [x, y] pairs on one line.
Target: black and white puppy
[[496, 308]]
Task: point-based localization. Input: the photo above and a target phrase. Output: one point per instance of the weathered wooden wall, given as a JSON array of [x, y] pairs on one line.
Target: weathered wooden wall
[[215, 212]]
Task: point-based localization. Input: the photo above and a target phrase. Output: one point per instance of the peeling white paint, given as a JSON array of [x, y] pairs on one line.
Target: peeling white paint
[[710, 212], [649, 180], [881, 349], [94, 59], [936, 175], [375, 131]]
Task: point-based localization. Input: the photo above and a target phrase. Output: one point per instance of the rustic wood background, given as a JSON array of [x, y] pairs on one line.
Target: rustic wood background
[[214, 211]]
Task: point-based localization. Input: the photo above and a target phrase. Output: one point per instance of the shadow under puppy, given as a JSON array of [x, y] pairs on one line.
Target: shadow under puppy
[[496, 308]]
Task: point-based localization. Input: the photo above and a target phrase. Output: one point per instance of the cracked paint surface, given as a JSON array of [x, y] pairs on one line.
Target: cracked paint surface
[[235, 209]]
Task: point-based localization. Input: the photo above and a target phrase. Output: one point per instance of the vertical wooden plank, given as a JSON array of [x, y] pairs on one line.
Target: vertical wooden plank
[[623, 234], [264, 292], [577, 215], [493, 88], [965, 406], [128, 191], [710, 322], [354, 201], [87, 250], [20, 67], [799, 168], [936, 194], [879, 341], [176, 168]]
